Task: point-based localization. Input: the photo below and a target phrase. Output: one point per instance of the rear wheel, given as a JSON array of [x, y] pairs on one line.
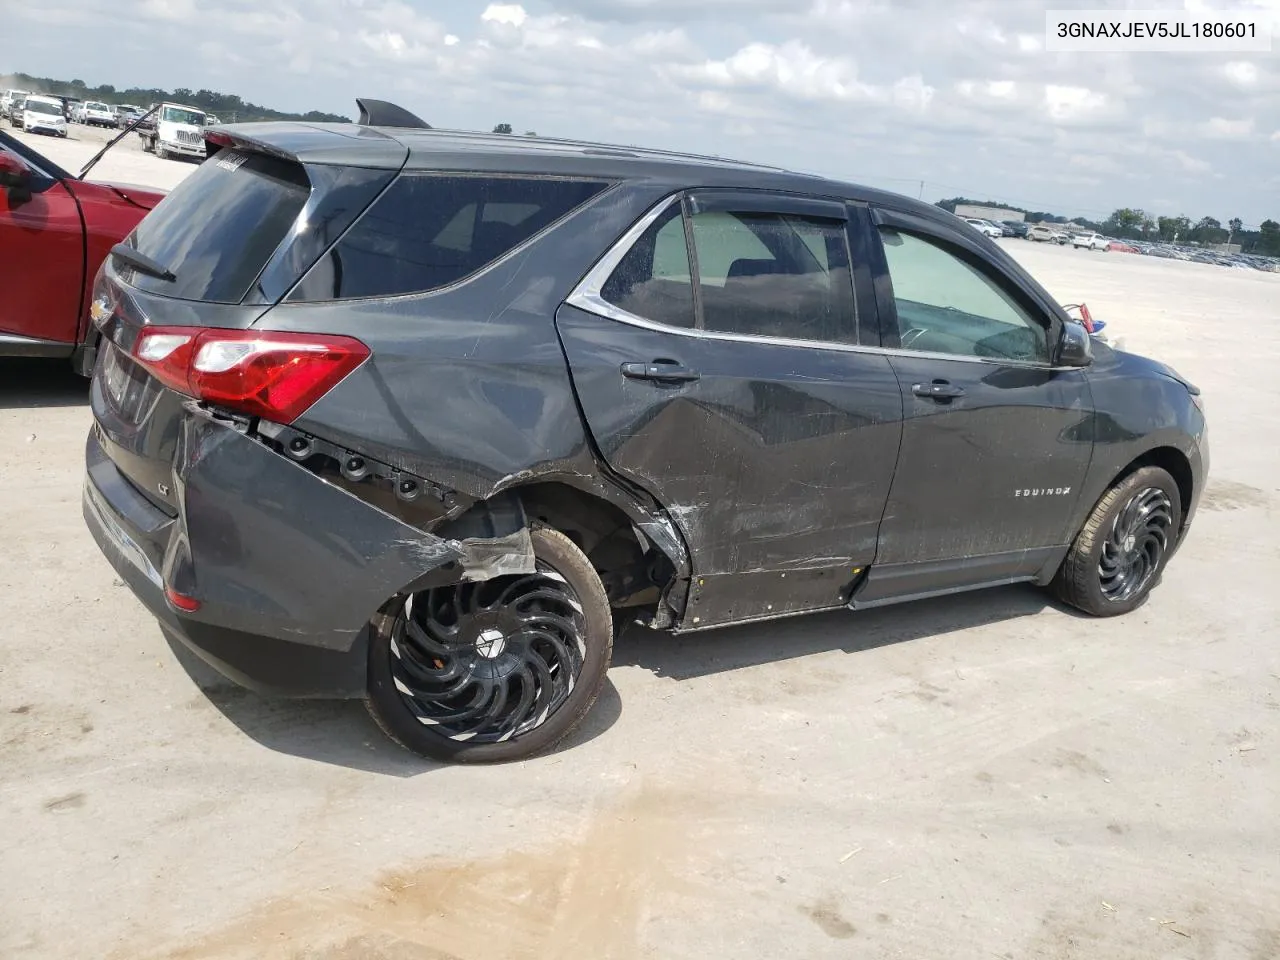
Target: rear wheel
[[161, 152], [1121, 551], [496, 670]]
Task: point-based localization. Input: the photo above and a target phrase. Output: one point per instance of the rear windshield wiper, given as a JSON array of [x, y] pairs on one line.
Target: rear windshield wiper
[[142, 263]]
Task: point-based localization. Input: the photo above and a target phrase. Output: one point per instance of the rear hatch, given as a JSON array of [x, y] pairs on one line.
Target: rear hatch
[[213, 256]]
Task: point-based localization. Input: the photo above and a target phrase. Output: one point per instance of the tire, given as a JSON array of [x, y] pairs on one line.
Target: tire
[[1121, 551], [161, 151], [412, 655]]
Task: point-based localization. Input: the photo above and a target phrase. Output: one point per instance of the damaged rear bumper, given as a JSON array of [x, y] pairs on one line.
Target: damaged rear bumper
[[287, 568]]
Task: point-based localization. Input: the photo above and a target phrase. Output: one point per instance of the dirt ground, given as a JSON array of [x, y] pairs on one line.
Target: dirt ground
[[982, 776]]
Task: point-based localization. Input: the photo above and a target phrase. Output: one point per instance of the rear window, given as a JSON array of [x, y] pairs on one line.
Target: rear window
[[219, 226], [430, 230]]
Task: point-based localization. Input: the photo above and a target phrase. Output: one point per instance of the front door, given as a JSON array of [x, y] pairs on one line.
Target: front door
[[41, 263], [992, 451], [731, 386]]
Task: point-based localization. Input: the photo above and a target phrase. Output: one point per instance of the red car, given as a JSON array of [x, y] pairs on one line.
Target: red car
[[55, 231]]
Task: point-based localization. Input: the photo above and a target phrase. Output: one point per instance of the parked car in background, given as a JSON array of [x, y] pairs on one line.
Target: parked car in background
[[174, 130], [15, 111], [1041, 233], [55, 230], [126, 113], [94, 113], [9, 99], [1119, 246], [211, 121], [984, 227], [1017, 228], [428, 455], [1003, 228], [1090, 241], [43, 115]]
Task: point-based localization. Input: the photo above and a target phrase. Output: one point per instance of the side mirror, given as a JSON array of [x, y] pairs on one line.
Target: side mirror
[[15, 176], [1075, 348]]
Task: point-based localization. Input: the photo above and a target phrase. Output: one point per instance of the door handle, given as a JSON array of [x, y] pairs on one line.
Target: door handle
[[663, 371], [943, 391]]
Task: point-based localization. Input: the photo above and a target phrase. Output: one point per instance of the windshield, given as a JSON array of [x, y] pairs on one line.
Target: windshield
[[179, 115], [96, 106], [39, 106]]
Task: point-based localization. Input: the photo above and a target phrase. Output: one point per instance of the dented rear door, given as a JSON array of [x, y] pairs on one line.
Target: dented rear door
[[773, 455]]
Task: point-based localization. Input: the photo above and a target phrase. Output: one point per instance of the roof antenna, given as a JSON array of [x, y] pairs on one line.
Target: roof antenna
[[379, 113]]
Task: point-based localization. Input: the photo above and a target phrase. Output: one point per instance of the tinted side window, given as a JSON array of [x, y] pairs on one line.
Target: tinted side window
[[653, 280], [775, 275], [427, 231], [946, 305]]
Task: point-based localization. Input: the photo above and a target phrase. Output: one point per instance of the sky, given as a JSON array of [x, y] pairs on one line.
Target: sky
[[937, 98]]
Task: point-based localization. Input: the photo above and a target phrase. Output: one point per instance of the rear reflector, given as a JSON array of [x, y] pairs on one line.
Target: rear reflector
[[261, 373], [181, 601]]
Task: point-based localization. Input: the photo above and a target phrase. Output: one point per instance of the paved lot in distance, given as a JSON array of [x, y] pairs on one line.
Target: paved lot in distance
[[981, 776]]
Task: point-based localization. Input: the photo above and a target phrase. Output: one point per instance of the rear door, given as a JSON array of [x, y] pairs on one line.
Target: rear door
[[994, 444], [716, 355], [41, 263]]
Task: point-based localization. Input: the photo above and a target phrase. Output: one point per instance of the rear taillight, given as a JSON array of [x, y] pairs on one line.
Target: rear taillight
[[264, 374]]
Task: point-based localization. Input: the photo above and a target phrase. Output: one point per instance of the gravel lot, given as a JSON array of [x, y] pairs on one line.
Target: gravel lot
[[981, 776]]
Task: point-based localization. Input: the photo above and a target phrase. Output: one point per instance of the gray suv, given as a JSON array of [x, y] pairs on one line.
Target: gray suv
[[422, 417]]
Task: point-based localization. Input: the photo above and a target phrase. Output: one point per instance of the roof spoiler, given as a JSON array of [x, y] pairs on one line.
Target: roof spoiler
[[379, 113]]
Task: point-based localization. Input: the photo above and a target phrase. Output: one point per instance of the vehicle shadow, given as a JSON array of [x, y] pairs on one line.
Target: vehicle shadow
[[339, 732], [31, 383], [684, 657]]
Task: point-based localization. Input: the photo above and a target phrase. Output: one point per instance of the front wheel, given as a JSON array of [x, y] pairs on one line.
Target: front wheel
[[161, 152], [496, 670], [1122, 549]]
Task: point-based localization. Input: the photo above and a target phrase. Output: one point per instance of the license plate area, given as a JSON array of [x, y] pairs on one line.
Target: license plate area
[[124, 383]]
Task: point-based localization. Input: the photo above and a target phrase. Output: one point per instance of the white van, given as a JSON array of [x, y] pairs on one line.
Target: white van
[[44, 115]]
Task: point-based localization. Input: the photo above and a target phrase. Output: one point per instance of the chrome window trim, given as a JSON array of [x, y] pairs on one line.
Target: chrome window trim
[[586, 296]]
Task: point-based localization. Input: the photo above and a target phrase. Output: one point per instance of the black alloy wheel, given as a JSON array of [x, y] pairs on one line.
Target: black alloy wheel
[[498, 669], [492, 660], [1124, 545], [1134, 549]]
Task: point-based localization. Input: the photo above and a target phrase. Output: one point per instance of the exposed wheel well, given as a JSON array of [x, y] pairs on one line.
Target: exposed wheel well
[[633, 573], [1173, 461]]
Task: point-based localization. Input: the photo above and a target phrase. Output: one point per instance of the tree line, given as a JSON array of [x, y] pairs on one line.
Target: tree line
[[1129, 223], [227, 107]]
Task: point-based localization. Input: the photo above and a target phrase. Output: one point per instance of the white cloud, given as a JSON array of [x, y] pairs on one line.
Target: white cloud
[[792, 68], [1241, 72], [510, 13], [1066, 103], [1220, 128], [168, 9]]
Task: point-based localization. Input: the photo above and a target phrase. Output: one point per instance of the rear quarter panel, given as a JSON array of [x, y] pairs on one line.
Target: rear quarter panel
[[468, 386]]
